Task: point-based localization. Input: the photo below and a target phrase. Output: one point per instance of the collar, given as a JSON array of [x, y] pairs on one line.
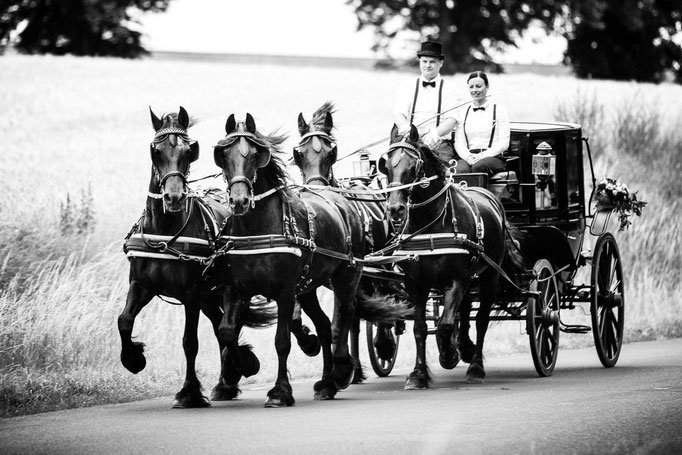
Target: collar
[[486, 104]]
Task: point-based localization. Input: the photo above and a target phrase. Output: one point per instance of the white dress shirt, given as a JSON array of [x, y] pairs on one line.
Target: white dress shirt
[[427, 103], [476, 128]]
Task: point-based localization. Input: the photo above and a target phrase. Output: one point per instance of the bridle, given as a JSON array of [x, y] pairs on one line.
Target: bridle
[[160, 136], [244, 137], [314, 138]]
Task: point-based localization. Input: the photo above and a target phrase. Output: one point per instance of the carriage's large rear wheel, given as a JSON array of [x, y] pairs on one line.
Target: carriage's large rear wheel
[[542, 318], [382, 366], [608, 300]]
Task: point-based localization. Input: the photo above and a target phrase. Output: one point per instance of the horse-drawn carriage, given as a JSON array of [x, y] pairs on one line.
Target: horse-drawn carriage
[[452, 241], [543, 194]]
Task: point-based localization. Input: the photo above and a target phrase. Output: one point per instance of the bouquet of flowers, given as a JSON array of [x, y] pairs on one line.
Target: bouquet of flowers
[[611, 195]]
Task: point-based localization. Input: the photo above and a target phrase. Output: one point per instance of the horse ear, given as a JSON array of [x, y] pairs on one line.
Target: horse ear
[[230, 124], [303, 127], [414, 133], [183, 118], [328, 123], [156, 122], [250, 124], [394, 133]]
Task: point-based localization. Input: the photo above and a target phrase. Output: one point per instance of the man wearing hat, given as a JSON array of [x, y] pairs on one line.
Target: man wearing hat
[[420, 102]]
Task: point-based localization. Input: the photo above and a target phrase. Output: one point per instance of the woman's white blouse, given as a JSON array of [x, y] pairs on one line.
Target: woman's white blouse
[[479, 127]]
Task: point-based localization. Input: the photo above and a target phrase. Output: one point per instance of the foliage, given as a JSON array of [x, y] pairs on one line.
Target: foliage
[[624, 39], [77, 219], [611, 195], [612, 39], [468, 29], [78, 27], [585, 109]]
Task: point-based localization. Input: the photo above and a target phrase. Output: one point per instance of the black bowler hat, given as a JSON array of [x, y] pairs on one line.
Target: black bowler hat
[[431, 49]]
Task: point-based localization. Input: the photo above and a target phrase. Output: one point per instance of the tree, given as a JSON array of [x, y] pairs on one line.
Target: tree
[[618, 39], [79, 27], [468, 29], [624, 39]]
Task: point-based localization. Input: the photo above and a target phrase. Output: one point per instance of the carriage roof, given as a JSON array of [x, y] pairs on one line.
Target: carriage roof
[[532, 127]]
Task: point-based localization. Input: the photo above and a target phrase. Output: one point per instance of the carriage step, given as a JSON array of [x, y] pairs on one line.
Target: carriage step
[[574, 328]]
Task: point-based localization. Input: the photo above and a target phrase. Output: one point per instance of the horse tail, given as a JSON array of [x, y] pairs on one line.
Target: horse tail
[[383, 306], [261, 314]]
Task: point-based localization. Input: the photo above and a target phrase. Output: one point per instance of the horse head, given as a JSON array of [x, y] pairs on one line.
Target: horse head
[[316, 151], [402, 164], [240, 154], [172, 152]]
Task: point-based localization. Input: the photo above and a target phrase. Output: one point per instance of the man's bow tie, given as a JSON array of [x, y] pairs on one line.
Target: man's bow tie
[[482, 108], [427, 84]]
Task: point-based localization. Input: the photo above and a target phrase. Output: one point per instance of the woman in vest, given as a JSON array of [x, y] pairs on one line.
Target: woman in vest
[[482, 134]]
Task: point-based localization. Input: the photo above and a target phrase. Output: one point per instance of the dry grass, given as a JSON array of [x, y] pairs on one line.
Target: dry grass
[[73, 122]]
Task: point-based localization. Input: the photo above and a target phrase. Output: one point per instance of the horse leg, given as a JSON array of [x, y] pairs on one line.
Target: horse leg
[[236, 360], [281, 394], [324, 388], [222, 391], [466, 346], [190, 395], [488, 290], [132, 352], [308, 342], [446, 333], [345, 288], [419, 378], [359, 375]]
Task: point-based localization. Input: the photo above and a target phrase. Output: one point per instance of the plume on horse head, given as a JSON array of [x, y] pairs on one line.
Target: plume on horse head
[[171, 119], [322, 120], [273, 169]]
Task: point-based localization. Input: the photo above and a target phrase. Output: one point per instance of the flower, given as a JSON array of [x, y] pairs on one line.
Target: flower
[[611, 195]]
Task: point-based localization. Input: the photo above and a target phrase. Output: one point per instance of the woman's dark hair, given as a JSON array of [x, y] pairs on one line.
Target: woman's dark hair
[[480, 74]]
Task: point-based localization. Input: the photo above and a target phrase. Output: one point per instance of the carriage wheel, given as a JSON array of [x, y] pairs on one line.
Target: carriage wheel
[[542, 319], [608, 300], [381, 367]]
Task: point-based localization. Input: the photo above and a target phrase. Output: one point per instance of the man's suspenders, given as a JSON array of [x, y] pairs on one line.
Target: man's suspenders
[[414, 101]]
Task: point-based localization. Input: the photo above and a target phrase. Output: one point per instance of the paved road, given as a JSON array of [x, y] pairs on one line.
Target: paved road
[[635, 407]]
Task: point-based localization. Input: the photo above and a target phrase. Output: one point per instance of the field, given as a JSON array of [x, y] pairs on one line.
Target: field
[[75, 168]]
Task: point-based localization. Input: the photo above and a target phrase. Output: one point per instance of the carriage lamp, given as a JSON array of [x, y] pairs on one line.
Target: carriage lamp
[[543, 167], [363, 166], [544, 163]]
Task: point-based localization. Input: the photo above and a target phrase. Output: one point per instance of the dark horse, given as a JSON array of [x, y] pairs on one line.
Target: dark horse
[[280, 246], [166, 247], [315, 156], [451, 231]]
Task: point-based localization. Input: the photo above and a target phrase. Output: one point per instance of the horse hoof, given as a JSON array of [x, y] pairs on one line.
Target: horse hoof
[[187, 401], [343, 375], [311, 346], [133, 359], [475, 374], [222, 392], [448, 362], [417, 380], [416, 384], [324, 390], [250, 364], [271, 402], [359, 376], [467, 349]]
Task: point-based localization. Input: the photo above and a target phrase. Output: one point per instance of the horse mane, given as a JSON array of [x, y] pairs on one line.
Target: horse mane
[[432, 161], [275, 172]]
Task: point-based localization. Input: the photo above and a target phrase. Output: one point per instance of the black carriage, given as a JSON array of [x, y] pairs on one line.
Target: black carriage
[[543, 193]]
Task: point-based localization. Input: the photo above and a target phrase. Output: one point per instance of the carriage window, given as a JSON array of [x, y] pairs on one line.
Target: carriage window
[[573, 167]]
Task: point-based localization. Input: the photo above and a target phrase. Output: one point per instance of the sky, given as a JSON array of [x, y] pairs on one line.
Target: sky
[[326, 28]]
